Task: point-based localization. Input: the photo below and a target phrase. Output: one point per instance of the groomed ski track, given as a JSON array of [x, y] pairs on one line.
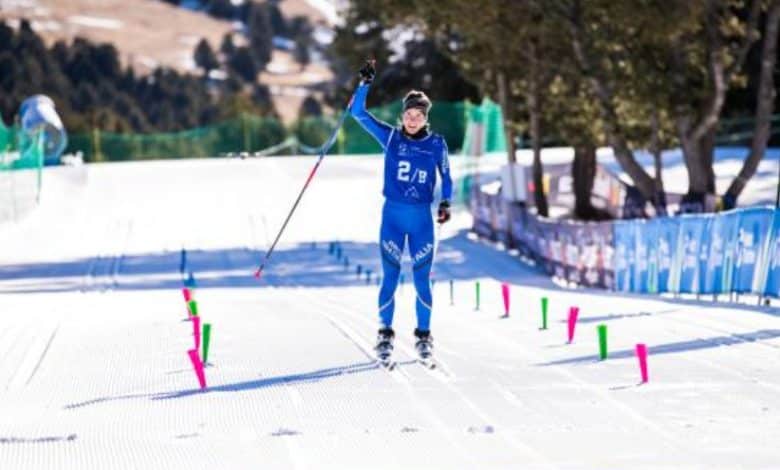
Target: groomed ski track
[[94, 370]]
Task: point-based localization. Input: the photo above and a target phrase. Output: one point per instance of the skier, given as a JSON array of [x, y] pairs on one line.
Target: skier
[[412, 155]]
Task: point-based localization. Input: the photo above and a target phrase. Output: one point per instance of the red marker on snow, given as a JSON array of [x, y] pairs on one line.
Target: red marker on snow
[[572, 321], [505, 294], [641, 353], [196, 331], [187, 297], [197, 364]]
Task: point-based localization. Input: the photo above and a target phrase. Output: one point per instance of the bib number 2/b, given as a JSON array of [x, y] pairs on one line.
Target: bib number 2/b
[[403, 170], [404, 167]]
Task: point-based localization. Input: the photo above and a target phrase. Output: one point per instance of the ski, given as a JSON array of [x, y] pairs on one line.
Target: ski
[[428, 363], [387, 364]]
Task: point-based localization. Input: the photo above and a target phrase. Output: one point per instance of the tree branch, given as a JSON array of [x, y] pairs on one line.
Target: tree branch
[[721, 76]]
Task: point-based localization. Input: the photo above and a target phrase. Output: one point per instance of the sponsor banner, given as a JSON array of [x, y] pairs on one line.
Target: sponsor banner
[[720, 247], [772, 260], [689, 242], [666, 233], [624, 239], [753, 232], [644, 240]]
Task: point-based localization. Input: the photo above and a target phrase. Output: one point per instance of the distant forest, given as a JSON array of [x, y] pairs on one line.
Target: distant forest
[[91, 89]]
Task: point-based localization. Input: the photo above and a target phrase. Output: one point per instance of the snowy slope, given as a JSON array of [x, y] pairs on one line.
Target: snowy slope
[[94, 371]]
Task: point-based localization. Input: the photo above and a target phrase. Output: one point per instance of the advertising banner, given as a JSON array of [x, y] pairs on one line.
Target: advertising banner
[[772, 260], [720, 248], [753, 232], [624, 239]]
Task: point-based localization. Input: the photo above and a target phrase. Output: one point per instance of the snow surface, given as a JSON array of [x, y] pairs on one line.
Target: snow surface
[[94, 371]]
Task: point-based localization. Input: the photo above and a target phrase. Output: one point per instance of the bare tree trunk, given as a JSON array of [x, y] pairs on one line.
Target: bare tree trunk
[[707, 144], [534, 111], [604, 96], [583, 173], [698, 179], [506, 108], [659, 200], [764, 108], [697, 138]]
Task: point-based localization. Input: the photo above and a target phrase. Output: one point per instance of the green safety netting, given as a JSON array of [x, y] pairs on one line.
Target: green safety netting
[[268, 136], [21, 160], [244, 134]]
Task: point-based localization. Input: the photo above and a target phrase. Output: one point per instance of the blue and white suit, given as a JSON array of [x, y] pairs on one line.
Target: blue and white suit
[[410, 173]]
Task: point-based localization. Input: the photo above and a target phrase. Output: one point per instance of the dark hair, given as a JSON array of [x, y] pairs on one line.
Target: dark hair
[[417, 99]]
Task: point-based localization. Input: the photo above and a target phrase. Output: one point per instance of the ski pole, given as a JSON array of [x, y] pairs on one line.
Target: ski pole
[[322, 151]]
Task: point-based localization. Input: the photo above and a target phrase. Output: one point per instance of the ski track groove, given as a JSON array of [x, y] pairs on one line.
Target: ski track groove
[[43, 355], [722, 368], [604, 395], [482, 415], [104, 271], [403, 379]]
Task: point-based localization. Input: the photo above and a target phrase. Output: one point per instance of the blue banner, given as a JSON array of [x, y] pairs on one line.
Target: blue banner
[[754, 227], [705, 241], [649, 235], [689, 242], [772, 260], [722, 241], [666, 239], [624, 238], [644, 239]]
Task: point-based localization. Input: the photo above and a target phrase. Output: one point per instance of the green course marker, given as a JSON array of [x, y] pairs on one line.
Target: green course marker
[[545, 301], [602, 341], [477, 296], [193, 308], [206, 341]]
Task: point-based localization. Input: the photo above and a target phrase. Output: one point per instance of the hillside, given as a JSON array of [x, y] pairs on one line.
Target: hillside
[[153, 33]]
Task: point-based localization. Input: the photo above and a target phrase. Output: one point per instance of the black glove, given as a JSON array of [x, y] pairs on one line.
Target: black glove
[[444, 212], [368, 72]]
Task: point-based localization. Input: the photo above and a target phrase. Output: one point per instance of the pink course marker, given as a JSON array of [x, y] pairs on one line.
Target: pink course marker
[[641, 353], [196, 331], [505, 294], [187, 297], [198, 366], [572, 321]]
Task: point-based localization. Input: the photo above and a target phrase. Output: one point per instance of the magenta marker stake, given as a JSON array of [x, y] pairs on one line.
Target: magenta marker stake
[[198, 366], [572, 321], [641, 353], [505, 294], [196, 331], [187, 297]]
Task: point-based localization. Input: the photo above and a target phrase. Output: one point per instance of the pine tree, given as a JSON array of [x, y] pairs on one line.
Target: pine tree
[[204, 57], [260, 34]]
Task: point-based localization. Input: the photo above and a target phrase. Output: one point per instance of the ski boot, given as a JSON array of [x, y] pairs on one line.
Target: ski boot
[[424, 347], [384, 346]]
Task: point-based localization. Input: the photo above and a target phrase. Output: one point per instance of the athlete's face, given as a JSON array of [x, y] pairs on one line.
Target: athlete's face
[[413, 120]]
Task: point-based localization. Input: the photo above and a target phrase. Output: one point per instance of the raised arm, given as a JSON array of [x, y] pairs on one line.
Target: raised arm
[[379, 130]]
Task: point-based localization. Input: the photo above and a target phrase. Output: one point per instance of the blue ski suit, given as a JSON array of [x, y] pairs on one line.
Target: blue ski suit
[[410, 168]]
